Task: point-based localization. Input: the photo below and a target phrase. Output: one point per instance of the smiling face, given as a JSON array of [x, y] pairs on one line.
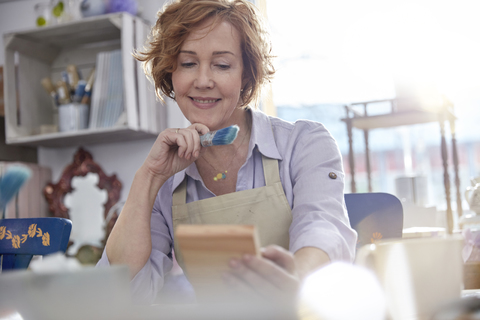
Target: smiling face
[[208, 77]]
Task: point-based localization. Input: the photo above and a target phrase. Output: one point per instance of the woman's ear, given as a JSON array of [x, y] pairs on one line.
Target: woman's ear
[[244, 85], [245, 80]]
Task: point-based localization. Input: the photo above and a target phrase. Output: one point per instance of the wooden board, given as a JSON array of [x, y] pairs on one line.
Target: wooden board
[[396, 119], [2, 104], [206, 251]]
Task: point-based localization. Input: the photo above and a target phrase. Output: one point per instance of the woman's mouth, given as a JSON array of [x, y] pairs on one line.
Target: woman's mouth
[[204, 102], [207, 100]]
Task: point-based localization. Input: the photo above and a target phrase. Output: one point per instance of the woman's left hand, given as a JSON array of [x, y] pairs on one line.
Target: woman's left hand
[[273, 276]]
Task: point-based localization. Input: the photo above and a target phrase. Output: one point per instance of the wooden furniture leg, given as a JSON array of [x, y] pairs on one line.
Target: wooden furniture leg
[[446, 178], [351, 160], [367, 160], [455, 167]]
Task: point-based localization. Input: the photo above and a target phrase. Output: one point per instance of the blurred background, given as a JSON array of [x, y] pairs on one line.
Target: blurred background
[[329, 55], [334, 53]]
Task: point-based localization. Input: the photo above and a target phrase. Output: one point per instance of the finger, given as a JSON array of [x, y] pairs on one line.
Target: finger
[[280, 256], [189, 134], [178, 138], [174, 130], [254, 280], [197, 147], [272, 272], [200, 128]]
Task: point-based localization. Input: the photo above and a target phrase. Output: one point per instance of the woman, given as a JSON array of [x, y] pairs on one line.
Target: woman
[[212, 57]]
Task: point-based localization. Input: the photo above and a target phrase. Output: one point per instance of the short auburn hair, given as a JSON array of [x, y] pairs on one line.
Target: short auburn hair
[[177, 20]]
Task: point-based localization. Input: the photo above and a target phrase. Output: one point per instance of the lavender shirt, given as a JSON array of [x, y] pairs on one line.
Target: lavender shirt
[[306, 154]]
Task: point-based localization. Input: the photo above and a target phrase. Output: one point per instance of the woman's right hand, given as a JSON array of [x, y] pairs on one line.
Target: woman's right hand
[[174, 150]]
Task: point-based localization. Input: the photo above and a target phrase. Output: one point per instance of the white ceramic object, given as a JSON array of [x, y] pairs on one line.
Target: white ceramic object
[[92, 8], [418, 275], [72, 117], [472, 194]]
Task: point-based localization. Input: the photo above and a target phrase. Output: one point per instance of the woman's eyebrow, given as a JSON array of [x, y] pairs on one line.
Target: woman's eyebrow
[[188, 52], [222, 52], [213, 54]]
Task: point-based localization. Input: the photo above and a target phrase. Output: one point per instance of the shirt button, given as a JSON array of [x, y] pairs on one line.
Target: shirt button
[[332, 175]]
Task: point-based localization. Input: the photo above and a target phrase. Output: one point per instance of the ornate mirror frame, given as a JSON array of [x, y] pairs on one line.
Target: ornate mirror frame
[[82, 165]]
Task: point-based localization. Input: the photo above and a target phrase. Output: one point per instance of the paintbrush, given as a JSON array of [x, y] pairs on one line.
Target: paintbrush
[[73, 77], [220, 137], [88, 88], [80, 91], [48, 86], [10, 183], [63, 92]]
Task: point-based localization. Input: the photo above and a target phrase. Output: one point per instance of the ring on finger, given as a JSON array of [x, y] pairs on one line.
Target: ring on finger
[[176, 131]]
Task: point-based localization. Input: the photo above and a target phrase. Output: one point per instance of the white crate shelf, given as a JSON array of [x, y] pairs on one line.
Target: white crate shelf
[[31, 55]]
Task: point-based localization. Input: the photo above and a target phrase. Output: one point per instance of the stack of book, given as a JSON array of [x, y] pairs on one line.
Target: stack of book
[[107, 97]]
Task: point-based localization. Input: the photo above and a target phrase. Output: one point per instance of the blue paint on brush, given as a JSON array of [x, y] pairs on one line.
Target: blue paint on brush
[[10, 184], [80, 91], [220, 137]]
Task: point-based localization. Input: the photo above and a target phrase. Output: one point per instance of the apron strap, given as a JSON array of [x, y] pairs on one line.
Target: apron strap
[[270, 170], [180, 193]]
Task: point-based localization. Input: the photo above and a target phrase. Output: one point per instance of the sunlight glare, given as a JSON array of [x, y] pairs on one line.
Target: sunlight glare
[[350, 51], [325, 293]]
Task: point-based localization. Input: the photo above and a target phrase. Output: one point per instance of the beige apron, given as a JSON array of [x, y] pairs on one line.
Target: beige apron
[[266, 207]]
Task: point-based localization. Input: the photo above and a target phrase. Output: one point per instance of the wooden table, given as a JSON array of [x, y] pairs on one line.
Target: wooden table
[[365, 122]]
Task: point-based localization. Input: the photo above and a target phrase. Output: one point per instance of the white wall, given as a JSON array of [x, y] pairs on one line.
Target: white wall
[[14, 16], [122, 159], [18, 15]]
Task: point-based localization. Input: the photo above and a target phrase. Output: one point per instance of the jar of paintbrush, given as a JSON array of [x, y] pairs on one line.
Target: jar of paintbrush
[[71, 99]]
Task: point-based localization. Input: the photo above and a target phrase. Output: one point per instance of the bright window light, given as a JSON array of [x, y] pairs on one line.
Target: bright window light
[[350, 50]]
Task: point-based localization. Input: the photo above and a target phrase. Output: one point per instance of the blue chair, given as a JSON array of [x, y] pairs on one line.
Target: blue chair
[[21, 239], [375, 216]]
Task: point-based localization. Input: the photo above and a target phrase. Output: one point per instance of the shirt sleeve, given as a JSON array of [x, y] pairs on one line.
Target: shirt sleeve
[[150, 279], [319, 213]]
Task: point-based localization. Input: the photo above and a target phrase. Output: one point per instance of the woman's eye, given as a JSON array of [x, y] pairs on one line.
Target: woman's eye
[[188, 64], [223, 66]]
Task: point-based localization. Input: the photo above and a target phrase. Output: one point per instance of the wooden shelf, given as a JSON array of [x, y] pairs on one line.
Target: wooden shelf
[[82, 137], [398, 119], [76, 33], [31, 55]]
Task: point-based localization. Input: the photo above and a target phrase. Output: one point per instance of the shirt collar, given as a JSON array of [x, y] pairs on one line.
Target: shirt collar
[[261, 137]]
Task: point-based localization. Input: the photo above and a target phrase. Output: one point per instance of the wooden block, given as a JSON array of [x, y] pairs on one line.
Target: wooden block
[[471, 275], [206, 251]]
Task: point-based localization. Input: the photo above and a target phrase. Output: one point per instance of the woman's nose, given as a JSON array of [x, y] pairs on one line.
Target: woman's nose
[[204, 78]]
